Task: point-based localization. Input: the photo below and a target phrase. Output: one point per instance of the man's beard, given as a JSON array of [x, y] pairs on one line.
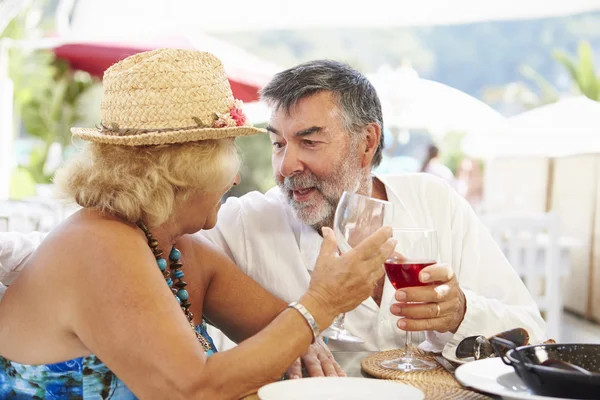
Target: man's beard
[[319, 210]]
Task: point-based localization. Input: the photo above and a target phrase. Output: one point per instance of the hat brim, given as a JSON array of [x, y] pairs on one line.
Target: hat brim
[[158, 138]]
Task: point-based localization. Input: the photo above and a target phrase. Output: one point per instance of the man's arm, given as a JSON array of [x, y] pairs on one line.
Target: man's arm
[[496, 297], [15, 249]]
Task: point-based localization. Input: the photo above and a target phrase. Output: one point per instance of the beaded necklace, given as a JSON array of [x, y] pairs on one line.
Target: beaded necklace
[[179, 291]]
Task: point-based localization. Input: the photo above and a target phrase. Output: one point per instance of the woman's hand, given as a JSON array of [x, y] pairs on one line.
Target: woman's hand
[[339, 283], [318, 361]]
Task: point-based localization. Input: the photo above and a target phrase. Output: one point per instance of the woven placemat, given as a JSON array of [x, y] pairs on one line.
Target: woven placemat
[[436, 383]]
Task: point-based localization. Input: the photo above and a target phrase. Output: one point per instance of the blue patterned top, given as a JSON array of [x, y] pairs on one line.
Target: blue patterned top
[[84, 378]]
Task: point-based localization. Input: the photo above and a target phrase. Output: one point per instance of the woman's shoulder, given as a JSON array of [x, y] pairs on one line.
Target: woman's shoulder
[[89, 231], [88, 239]]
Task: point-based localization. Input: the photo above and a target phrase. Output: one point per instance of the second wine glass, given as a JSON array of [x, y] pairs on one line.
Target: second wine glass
[[415, 250], [356, 218]]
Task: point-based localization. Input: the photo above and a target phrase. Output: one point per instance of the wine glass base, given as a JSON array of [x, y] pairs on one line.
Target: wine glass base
[[341, 335], [408, 364]]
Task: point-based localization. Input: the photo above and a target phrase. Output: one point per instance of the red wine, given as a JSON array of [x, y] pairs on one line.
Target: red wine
[[405, 273]]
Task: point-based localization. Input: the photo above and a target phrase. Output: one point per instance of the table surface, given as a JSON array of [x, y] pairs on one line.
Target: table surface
[[350, 362]]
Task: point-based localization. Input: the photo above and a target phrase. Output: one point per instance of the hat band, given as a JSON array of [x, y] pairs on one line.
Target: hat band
[[114, 130]]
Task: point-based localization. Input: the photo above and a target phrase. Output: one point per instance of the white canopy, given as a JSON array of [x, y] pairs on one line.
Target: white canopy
[[570, 126], [142, 16]]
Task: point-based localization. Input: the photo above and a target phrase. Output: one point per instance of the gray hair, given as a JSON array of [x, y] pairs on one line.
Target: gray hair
[[355, 95]]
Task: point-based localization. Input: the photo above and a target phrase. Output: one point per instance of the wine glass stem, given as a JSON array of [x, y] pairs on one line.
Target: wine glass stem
[[339, 321], [407, 347]]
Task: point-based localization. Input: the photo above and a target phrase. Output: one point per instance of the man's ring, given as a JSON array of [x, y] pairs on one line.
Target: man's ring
[[438, 310]]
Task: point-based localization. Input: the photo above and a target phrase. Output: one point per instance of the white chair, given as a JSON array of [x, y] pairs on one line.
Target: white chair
[[531, 245], [33, 214]]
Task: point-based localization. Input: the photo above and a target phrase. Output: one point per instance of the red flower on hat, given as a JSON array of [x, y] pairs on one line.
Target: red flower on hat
[[235, 117], [238, 115]]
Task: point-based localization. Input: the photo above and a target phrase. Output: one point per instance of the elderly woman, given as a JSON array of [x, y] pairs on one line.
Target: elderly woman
[[113, 304]]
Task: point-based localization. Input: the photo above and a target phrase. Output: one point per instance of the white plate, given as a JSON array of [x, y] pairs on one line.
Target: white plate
[[493, 376], [451, 356], [339, 389]]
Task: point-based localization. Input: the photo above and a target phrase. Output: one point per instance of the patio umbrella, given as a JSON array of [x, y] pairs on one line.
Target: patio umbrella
[[569, 126], [247, 73], [410, 102]]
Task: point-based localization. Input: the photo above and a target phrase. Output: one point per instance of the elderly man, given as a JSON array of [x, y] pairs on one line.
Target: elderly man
[[326, 134]]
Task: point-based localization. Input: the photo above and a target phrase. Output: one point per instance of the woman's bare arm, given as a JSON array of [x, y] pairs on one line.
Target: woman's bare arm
[[234, 302], [123, 312]]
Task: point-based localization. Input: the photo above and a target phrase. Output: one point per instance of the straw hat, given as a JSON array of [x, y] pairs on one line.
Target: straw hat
[[167, 96]]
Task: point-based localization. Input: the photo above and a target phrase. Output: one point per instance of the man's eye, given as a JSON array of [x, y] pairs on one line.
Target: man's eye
[[277, 145], [310, 143]]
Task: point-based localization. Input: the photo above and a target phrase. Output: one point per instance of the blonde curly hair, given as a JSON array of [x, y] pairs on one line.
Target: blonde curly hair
[[146, 182]]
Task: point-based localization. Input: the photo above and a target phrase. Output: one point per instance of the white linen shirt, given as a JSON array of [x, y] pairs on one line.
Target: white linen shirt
[[261, 234]]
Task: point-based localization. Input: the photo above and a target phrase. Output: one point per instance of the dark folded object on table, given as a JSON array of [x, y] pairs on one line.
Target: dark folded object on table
[[480, 347]]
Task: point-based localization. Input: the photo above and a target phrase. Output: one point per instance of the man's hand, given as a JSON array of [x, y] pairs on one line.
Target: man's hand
[[442, 303], [318, 361]]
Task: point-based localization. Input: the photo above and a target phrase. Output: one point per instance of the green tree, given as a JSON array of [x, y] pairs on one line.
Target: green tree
[[46, 91], [50, 113], [255, 171], [581, 69]]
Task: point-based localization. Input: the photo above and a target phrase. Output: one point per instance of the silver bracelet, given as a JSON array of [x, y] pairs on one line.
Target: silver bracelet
[[308, 317]]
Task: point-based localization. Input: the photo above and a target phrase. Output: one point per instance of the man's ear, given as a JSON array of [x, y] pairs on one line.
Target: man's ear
[[372, 135]]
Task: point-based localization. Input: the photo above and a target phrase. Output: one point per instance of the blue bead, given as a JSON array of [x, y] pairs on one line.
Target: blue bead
[[178, 301], [175, 254], [209, 352], [183, 294], [162, 264], [169, 282], [178, 274]]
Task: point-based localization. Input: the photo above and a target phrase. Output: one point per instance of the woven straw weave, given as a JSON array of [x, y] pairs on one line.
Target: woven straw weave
[[164, 96], [437, 384]]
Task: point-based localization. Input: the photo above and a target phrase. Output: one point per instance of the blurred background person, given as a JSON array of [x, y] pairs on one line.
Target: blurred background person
[[434, 165]]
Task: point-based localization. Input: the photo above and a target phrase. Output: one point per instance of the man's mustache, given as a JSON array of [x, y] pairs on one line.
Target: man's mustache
[[300, 182]]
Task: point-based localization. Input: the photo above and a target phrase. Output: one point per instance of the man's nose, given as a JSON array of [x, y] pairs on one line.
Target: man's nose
[[290, 163]]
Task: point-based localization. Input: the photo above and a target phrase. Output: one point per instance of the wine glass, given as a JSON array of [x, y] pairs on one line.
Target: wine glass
[[356, 218], [416, 249]]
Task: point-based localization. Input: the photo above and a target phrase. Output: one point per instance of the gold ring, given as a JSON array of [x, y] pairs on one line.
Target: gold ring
[[438, 310]]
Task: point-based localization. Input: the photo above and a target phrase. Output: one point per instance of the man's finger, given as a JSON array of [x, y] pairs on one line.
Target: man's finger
[[327, 365], [436, 273], [338, 369], [295, 370], [430, 324], [312, 364], [424, 294], [421, 311]]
